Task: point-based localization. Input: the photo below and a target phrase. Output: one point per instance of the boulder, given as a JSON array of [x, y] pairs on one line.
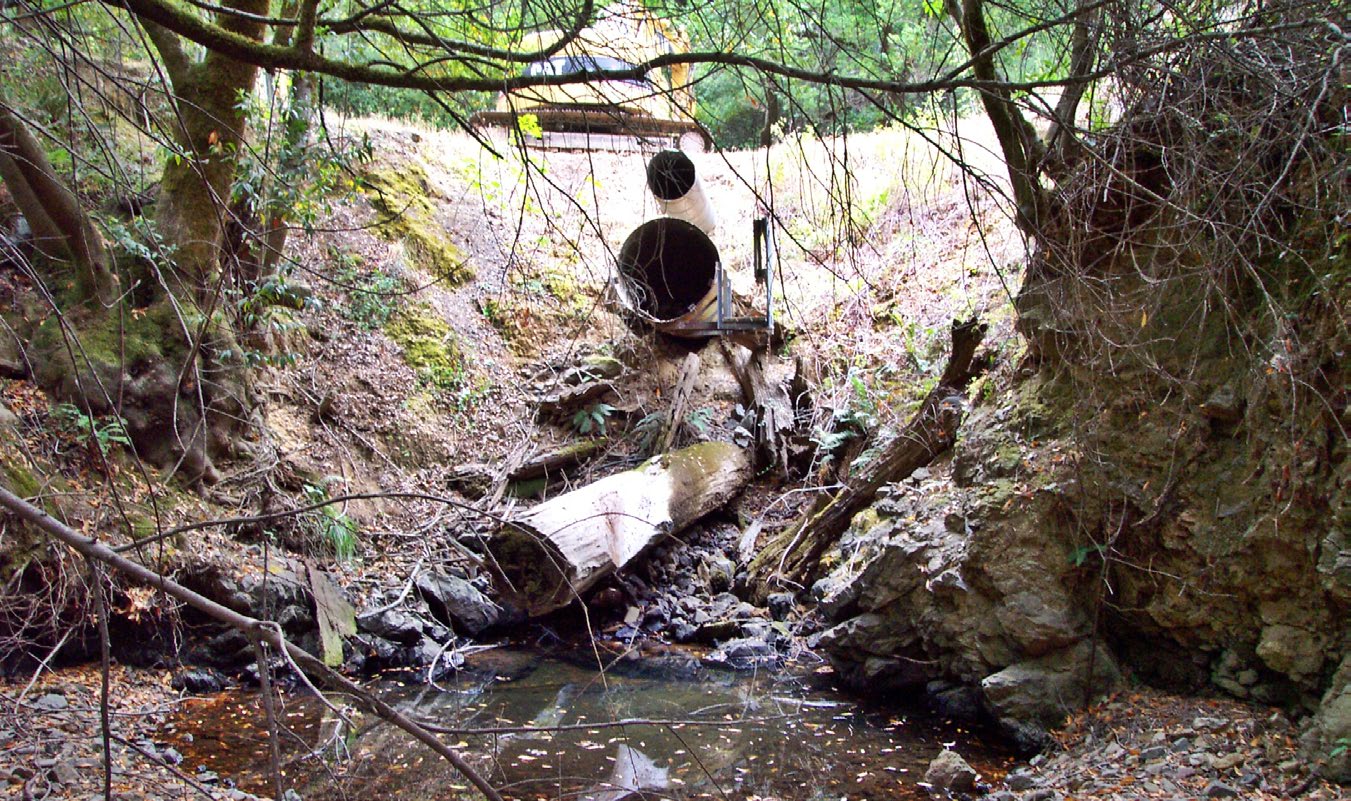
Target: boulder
[[1292, 650], [949, 773], [198, 681], [394, 625], [717, 572], [959, 703], [1045, 689], [457, 603], [780, 605], [746, 653]]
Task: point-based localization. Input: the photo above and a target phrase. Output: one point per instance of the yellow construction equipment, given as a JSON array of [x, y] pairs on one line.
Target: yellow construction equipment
[[656, 110]]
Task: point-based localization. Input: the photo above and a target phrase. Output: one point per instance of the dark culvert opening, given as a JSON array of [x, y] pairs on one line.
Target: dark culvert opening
[[670, 175], [668, 266]]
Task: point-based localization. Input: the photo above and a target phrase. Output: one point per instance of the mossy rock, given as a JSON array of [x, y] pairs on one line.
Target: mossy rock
[[19, 478], [109, 343], [24, 543], [429, 346], [402, 196]]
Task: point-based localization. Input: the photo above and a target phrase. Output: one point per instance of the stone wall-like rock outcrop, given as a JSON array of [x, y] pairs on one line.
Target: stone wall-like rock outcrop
[[1170, 463], [1047, 549], [971, 583]]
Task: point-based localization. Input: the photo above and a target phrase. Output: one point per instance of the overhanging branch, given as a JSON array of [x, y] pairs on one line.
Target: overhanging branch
[[252, 627], [271, 56]]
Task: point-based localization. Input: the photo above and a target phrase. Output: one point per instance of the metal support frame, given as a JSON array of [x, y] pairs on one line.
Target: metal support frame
[[763, 263]]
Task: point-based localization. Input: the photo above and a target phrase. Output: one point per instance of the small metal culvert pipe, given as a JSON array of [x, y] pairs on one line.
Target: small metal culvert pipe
[[668, 274], [674, 182]]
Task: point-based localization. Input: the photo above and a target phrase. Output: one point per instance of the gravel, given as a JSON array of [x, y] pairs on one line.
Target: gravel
[[1150, 745]]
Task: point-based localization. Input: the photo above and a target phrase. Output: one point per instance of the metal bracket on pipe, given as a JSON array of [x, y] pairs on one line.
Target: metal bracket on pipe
[[763, 241]]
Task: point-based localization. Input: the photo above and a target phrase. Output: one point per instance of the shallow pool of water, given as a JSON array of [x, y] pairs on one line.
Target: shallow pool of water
[[660, 724]]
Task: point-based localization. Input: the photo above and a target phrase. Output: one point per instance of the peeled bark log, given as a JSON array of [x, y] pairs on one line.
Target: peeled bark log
[[559, 549], [792, 557]]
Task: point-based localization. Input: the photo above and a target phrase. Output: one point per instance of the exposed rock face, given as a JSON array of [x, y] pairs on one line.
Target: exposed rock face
[[1201, 556], [965, 583], [1329, 738]]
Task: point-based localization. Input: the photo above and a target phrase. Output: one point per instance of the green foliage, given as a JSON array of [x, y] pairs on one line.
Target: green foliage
[[527, 125], [647, 431], [373, 296], [856, 418], [289, 174], [1080, 556], [592, 419], [700, 420], [101, 432], [860, 412], [330, 525], [139, 239]]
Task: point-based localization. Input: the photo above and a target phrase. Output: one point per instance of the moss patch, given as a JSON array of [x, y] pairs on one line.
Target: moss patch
[[19, 478], [138, 336], [429, 346], [402, 197], [108, 343], [545, 300]]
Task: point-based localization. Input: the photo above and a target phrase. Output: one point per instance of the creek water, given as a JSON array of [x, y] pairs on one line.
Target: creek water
[[659, 726]]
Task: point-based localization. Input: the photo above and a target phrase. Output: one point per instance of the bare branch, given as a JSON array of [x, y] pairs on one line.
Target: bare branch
[[250, 626]]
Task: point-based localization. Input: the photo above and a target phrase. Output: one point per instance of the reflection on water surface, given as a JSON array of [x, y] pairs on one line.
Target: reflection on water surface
[[659, 727]]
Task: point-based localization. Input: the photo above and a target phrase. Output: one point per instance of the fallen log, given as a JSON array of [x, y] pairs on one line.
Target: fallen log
[[791, 559], [559, 549], [556, 462]]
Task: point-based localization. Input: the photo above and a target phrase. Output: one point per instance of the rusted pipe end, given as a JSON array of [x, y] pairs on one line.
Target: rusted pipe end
[[668, 271]]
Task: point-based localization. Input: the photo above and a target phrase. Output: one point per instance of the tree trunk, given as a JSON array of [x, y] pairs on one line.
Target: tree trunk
[[793, 556], [559, 549], [1018, 142], [211, 393], [195, 191], [62, 229]]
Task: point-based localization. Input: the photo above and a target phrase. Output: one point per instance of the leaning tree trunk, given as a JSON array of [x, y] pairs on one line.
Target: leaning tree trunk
[[792, 557], [559, 549], [62, 229]]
